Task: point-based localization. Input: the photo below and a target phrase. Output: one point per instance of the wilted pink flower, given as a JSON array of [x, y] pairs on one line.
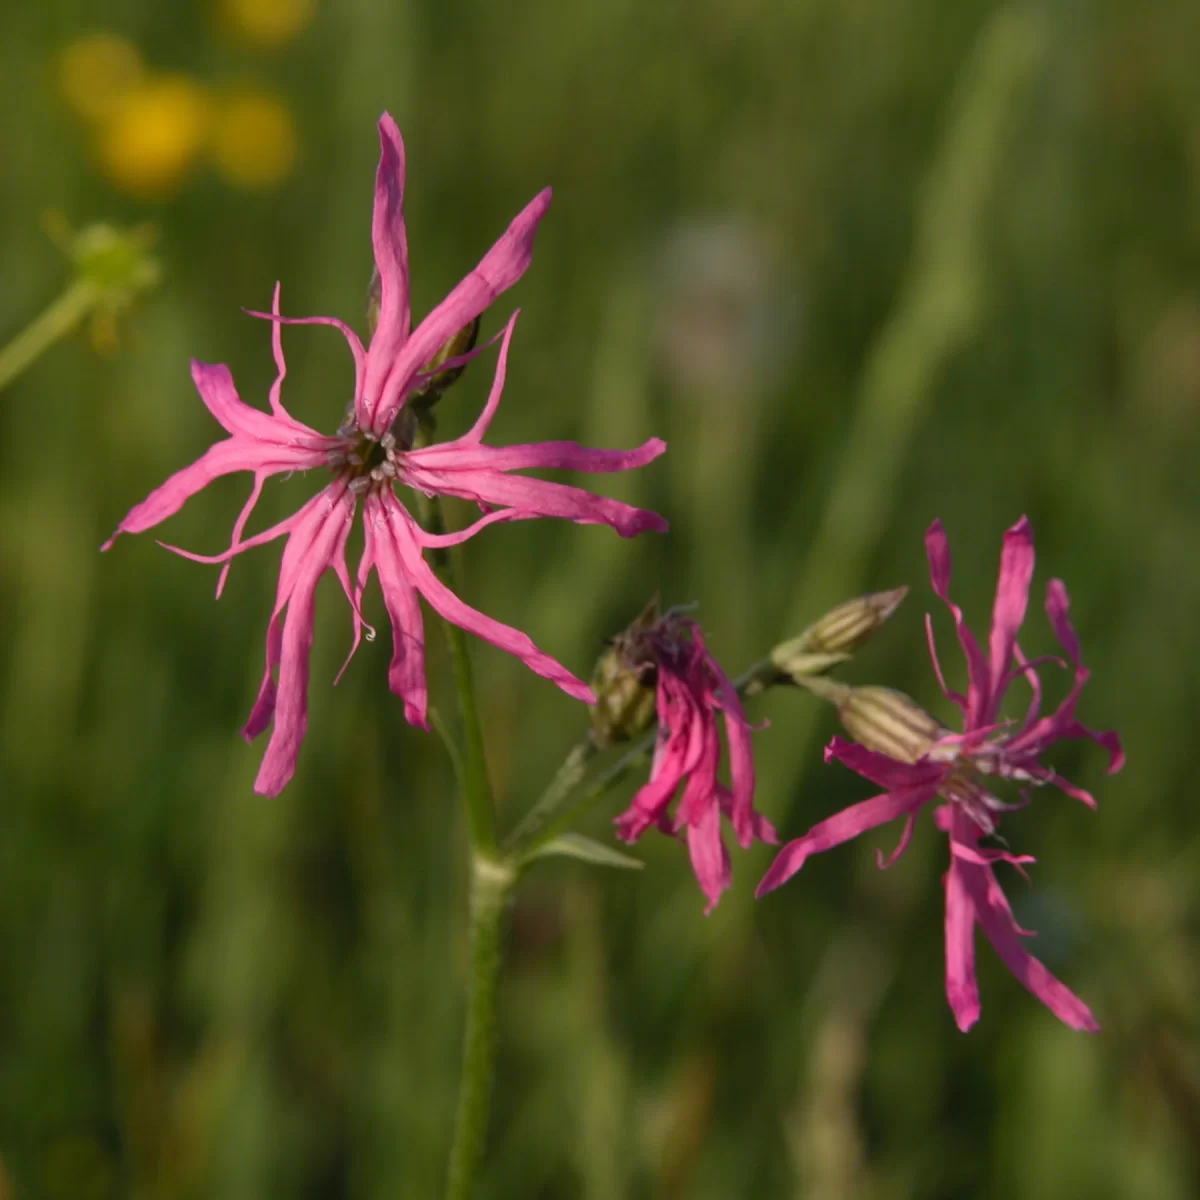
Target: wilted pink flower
[[955, 768], [370, 454], [691, 689]]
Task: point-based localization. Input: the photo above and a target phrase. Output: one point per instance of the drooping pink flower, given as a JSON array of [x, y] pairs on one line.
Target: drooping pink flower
[[369, 457], [691, 688], [925, 763]]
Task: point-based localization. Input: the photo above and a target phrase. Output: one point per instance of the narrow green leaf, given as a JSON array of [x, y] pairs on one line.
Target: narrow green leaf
[[575, 845]]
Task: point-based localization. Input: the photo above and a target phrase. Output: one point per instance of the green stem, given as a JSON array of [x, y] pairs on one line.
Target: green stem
[[565, 781], [491, 887], [603, 783], [492, 882], [55, 322], [476, 787]]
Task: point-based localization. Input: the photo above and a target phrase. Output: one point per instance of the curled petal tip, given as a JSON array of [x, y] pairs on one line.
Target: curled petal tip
[[416, 716], [964, 1004], [965, 1018], [652, 522], [1112, 743]]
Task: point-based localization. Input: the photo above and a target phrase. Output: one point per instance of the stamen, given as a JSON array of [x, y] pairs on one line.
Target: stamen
[[354, 459], [359, 484]]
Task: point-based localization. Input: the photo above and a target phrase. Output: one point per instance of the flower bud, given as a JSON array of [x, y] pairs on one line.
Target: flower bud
[[432, 382], [624, 682], [428, 392], [835, 637], [889, 722]]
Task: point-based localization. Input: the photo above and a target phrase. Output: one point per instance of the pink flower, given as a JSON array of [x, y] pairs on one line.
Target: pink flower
[[370, 454], [956, 767], [691, 689]]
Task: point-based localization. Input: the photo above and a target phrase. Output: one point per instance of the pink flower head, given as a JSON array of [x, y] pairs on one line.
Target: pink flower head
[[955, 768], [369, 456], [691, 689]]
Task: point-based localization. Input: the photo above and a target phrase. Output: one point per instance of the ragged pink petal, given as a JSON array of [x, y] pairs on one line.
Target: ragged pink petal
[[962, 987], [680, 744], [461, 455], [709, 857], [937, 548], [1001, 931], [442, 541], [352, 340], [264, 703], [390, 241], [474, 435], [493, 489], [223, 458], [882, 862], [499, 269], [1058, 609], [406, 673], [215, 384], [239, 525], [741, 765], [839, 828], [701, 786], [1008, 611], [329, 533], [275, 393], [957, 697], [887, 772], [400, 527], [1069, 789], [259, 539], [303, 526]]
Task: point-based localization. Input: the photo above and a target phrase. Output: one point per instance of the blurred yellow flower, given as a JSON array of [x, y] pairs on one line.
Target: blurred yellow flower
[[96, 72], [265, 23], [254, 140], [155, 135]]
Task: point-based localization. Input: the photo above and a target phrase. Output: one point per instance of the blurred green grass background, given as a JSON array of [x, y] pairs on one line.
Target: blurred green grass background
[[860, 265]]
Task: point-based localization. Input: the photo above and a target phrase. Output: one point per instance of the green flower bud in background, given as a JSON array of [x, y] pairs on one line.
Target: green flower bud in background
[[835, 637], [880, 718]]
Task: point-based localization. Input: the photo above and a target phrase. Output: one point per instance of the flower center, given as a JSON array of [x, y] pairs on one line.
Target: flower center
[[367, 461], [964, 789]]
